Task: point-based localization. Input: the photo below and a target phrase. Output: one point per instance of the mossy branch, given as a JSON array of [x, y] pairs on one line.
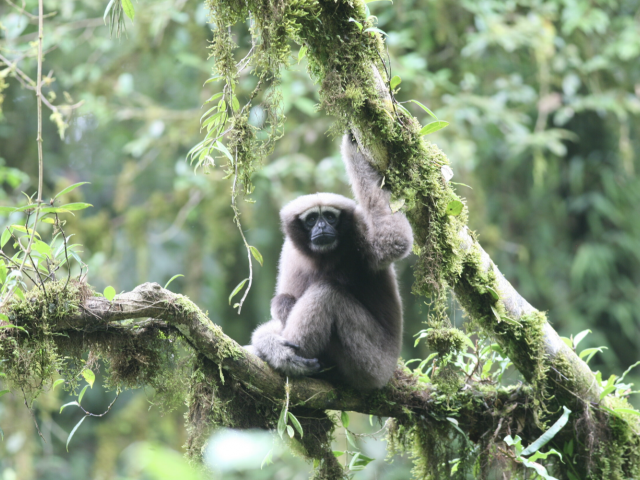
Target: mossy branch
[[163, 309]]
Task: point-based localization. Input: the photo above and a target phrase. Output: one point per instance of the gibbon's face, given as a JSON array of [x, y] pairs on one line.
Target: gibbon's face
[[321, 224]]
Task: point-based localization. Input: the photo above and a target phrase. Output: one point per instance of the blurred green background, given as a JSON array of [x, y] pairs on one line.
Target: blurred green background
[[543, 98]]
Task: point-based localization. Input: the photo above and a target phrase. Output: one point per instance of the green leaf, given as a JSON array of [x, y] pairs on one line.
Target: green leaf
[[235, 104], [454, 208], [56, 383], [607, 391], [627, 410], [6, 210], [338, 453], [344, 417], [504, 318], [395, 81], [213, 79], [107, 10], [89, 376], [567, 341], [590, 352], [54, 210], [222, 148], [6, 235], [359, 462], [3, 272], [578, 338], [109, 293], [48, 220], [82, 394], [433, 127], [256, 254], [42, 248], [237, 289], [424, 108], [172, 279], [9, 325], [74, 430], [31, 206], [127, 6], [302, 53], [493, 293], [350, 438], [76, 206], [290, 431], [70, 188], [375, 29], [4, 392], [268, 459], [295, 423], [549, 434], [359, 25], [67, 404], [282, 421]]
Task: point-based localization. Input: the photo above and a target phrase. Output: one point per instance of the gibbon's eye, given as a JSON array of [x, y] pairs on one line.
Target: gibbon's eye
[[330, 217], [311, 220]]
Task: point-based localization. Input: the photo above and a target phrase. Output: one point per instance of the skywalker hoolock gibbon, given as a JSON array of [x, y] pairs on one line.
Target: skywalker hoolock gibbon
[[337, 303]]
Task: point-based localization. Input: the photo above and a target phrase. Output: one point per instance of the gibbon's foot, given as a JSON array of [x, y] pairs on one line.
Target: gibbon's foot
[[281, 355]]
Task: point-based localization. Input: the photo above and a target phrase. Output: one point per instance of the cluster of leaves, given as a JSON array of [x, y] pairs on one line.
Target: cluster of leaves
[[35, 262]]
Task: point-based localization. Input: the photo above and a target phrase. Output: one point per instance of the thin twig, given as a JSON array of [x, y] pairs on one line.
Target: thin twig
[[237, 222]]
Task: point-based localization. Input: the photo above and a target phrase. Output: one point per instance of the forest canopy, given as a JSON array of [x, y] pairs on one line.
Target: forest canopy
[[532, 105]]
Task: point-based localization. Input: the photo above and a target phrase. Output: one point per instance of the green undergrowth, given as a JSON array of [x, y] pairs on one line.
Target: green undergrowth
[[36, 353]]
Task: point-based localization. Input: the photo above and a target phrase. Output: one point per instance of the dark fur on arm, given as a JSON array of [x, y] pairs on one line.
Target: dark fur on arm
[[281, 306], [388, 235]]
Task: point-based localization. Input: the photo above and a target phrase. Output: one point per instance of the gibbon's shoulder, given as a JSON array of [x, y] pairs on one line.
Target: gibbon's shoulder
[[301, 204]]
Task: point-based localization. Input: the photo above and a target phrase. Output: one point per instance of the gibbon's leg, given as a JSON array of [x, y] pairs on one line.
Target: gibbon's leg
[[365, 354], [388, 234], [268, 344], [281, 306]]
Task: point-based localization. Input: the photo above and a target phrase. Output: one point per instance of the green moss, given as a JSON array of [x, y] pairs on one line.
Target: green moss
[[445, 340]]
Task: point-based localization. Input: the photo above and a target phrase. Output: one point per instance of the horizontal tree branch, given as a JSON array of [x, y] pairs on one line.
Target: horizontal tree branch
[[400, 398]]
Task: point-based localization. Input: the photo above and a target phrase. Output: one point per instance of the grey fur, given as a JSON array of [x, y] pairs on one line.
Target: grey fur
[[339, 306]]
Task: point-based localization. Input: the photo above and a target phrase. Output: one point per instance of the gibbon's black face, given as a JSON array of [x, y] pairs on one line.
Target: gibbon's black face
[[321, 224]]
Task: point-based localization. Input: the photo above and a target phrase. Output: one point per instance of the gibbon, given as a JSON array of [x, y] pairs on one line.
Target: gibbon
[[337, 306]]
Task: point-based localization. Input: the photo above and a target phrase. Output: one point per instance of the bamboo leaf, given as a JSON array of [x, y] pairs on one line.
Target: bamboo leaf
[[282, 421], [344, 417], [237, 289], [76, 206], [69, 189], [82, 394], [433, 127], [295, 423], [256, 254], [75, 429], [426, 109], [127, 6], [67, 404]]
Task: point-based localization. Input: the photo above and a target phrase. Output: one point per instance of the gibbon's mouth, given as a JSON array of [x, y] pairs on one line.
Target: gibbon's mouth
[[323, 239]]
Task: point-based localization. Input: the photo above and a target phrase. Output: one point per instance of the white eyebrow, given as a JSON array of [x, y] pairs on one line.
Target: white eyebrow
[[335, 211], [303, 216]]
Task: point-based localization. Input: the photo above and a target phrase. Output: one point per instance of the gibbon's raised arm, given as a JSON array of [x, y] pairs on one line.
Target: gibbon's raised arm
[[387, 235]]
